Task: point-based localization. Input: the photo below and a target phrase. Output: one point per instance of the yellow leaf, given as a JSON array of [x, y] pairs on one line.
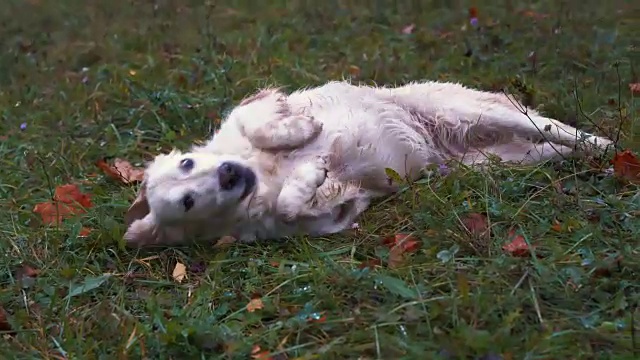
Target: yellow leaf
[[179, 272]]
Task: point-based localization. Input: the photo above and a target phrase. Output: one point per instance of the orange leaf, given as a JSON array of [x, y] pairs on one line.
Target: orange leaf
[[400, 244], [408, 243], [473, 12], [518, 245], [557, 226], [67, 201], [71, 194], [354, 70], [257, 353], [635, 88], [84, 232], [255, 304], [122, 170], [626, 166]]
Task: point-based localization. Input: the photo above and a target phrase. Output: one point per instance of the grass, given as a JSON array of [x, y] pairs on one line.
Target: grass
[[130, 79]]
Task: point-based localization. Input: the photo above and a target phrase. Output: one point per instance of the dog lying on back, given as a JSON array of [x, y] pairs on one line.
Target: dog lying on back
[[310, 162]]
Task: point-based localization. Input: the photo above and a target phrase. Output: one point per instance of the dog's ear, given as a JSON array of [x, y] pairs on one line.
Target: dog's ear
[[140, 206]]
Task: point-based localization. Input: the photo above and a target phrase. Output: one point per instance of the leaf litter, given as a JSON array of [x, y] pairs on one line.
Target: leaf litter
[[122, 171]]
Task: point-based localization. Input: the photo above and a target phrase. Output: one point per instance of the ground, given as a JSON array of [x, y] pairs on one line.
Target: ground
[[84, 82]]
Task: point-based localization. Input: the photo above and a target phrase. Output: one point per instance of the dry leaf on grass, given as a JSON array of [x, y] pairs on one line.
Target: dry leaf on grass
[[68, 201], [121, 170], [626, 166], [259, 354], [255, 304], [517, 246], [635, 88], [4, 322], [224, 241], [399, 245], [179, 272], [476, 224]]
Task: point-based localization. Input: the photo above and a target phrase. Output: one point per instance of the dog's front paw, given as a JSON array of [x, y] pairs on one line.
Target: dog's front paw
[[320, 170]]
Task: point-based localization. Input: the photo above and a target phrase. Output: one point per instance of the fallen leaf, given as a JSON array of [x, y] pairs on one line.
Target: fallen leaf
[[408, 243], [408, 29], [396, 257], [372, 263], [68, 201], [557, 226], [258, 353], [626, 166], [399, 245], [179, 272], [224, 241], [477, 224], [255, 304], [71, 194], [635, 88], [28, 270], [518, 246], [121, 170], [84, 232], [354, 70], [4, 322], [473, 12]]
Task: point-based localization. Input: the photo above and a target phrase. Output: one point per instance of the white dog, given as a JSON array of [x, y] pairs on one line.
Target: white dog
[[310, 162]]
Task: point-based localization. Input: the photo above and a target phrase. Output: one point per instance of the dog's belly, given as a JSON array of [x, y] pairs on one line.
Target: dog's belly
[[363, 134]]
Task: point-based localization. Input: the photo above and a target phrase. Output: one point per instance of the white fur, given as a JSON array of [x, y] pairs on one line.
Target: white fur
[[320, 156]]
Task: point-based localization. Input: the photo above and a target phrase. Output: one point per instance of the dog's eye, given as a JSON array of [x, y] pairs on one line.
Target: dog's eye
[[188, 202], [186, 164]]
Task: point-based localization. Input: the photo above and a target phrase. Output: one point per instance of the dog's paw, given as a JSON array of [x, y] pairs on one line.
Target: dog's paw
[[319, 172]]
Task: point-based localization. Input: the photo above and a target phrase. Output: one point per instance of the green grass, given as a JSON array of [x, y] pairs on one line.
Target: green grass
[[127, 79]]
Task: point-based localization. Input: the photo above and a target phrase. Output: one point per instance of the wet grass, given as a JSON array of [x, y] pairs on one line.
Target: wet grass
[[80, 82]]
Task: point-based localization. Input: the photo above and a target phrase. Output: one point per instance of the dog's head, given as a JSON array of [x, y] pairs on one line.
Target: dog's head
[[182, 188]]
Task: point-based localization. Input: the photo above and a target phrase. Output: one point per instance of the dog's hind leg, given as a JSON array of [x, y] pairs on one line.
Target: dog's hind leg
[[267, 120], [446, 105], [517, 151]]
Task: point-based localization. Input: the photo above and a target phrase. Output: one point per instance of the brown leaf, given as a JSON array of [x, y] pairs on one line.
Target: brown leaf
[[371, 264], [626, 166], [255, 304], [27, 270], [477, 224], [4, 322], [354, 70], [225, 241], [68, 201], [121, 170], [635, 88], [400, 244]]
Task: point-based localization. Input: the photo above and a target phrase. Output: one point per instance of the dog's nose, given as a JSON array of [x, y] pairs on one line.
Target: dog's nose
[[228, 174]]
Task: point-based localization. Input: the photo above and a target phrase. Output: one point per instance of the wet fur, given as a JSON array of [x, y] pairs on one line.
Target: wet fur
[[351, 134]]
